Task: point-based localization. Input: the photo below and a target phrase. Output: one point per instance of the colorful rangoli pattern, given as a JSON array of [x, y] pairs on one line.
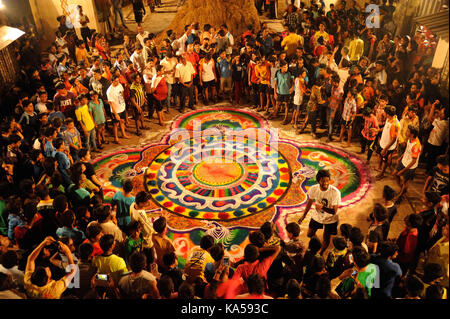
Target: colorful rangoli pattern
[[226, 186]]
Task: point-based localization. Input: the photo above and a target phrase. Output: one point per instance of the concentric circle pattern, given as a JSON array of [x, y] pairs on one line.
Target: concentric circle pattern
[[218, 179]]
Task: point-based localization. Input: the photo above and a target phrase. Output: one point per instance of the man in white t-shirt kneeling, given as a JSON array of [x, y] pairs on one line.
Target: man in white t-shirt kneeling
[[326, 199]]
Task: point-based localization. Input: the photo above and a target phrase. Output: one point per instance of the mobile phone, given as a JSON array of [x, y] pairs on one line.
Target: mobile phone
[[226, 261], [103, 277], [354, 272], [350, 258]]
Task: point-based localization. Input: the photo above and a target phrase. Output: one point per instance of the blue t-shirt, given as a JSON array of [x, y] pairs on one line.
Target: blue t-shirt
[[49, 150], [284, 82], [13, 222], [63, 160], [123, 207], [224, 67], [389, 271]]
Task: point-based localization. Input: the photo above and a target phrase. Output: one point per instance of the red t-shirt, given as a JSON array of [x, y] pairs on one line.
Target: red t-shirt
[[97, 250]]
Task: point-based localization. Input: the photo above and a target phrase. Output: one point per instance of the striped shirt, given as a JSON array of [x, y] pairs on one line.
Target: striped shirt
[[349, 109], [137, 93]]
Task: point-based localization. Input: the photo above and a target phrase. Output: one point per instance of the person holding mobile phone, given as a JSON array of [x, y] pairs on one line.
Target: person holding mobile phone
[[323, 200]]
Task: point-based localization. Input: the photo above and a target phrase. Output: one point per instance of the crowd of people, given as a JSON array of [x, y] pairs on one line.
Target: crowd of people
[[327, 70]]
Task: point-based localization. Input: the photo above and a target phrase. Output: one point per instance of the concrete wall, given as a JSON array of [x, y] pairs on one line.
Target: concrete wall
[[45, 13]]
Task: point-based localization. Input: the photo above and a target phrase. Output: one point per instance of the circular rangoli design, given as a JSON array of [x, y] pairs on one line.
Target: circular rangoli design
[[218, 179]]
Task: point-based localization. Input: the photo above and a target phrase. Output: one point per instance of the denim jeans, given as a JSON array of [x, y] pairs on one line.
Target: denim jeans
[[91, 139], [330, 121], [169, 94], [118, 11]]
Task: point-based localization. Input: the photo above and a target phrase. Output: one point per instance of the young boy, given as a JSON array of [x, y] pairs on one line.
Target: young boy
[[97, 109], [224, 67], [72, 138], [438, 180], [312, 107], [388, 139], [337, 260], [50, 135], [368, 133], [134, 241], [408, 162], [262, 72], [299, 92], [123, 201], [86, 121], [348, 116], [295, 249], [284, 86], [159, 91], [162, 244], [64, 160]]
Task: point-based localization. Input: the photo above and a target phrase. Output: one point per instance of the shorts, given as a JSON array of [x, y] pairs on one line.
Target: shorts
[[346, 124], [297, 107], [329, 228], [209, 84], [388, 153], [225, 83], [284, 98], [409, 174], [263, 88], [196, 80], [158, 105], [271, 91], [122, 115], [100, 125]]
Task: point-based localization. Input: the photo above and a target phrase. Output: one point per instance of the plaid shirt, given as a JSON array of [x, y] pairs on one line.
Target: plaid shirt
[[349, 109]]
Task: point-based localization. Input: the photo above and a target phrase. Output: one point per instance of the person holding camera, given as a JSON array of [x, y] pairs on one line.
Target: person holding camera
[[38, 281]]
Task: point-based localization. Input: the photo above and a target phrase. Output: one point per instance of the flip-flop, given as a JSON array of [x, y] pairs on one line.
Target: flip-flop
[[116, 142]]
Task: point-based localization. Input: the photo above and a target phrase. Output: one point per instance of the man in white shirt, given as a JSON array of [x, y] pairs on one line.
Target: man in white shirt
[[184, 73], [439, 119], [141, 35], [182, 40], [169, 63], [137, 58], [117, 104], [326, 199], [230, 38]]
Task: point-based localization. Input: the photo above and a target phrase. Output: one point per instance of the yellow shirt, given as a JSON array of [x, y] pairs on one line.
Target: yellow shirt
[[291, 42], [196, 263], [404, 122], [356, 49], [263, 71], [323, 34], [112, 265], [52, 290], [81, 55], [83, 115]]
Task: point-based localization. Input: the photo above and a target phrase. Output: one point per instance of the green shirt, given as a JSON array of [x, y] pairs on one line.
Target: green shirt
[[97, 111], [368, 278]]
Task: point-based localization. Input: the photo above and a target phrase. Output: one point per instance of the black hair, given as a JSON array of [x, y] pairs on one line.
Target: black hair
[[93, 230], [443, 160], [39, 277], [83, 152], [339, 243], [67, 218], [106, 242], [387, 249], [293, 228], [169, 259], [414, 130], [217, 252], [321, 174], [356, 236], [160, 225], [102, 213], [85, 250], [165, 286], [293, 289], [58, 142], [41, 191], [128, 185], [314, 245], [206, 242], [251, 253], [9, 259], [361, 257], [434, 292], [255, 284], [414, 220], [323, 287], [414, 286], [267, 230], [60, 203], [257, 238], [380, 212], [388, 192], [138, 262], [186, 291], [317, 264]]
